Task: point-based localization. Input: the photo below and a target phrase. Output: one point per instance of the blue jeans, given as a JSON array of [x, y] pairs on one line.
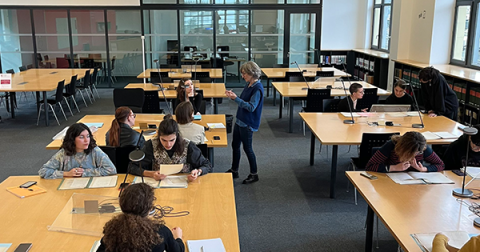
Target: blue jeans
[[243, 135]]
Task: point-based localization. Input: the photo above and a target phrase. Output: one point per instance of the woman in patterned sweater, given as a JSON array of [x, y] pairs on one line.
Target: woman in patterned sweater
[[403, 153]]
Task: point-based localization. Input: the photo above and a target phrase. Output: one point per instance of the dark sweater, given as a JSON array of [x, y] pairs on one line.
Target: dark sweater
[[169, 244], [440, 98], [128, 136], [343, 105], [386, 156], [454, 157], [405, 99], [251, 118]]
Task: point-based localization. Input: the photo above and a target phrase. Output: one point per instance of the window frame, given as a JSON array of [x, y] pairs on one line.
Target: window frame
[[471, 27], [381, 6]]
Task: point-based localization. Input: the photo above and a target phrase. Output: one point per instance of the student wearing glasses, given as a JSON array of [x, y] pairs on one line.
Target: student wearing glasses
[[356, 93], [404, 153], [439, 98], [121, 133], [455, 155], [186, 86]]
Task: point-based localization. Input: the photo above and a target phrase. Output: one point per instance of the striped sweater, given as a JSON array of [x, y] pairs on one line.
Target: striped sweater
[[386, 156]]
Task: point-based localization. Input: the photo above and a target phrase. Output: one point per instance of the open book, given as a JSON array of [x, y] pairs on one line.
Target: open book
[[91, 182], [438, 135], [206, 245], [456, 239], [168, 182], [412, 178]]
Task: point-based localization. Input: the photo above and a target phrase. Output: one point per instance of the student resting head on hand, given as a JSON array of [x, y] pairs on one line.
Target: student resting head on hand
[[186, 86]]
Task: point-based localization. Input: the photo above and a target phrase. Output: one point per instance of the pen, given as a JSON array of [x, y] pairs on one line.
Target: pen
[[201, 249], [212, 141]]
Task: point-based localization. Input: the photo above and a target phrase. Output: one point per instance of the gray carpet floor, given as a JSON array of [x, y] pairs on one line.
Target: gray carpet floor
[[289, 209]]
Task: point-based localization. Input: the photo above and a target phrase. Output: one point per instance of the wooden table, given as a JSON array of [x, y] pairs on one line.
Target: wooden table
[[410, 209], [330, 130], [210, 90], [40, 80], [311, 71], [156, 119], [210, 201], [215, 73], [298, 91]]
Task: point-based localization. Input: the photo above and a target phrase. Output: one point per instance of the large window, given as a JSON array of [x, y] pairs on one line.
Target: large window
[[466, 34], [382, 16]]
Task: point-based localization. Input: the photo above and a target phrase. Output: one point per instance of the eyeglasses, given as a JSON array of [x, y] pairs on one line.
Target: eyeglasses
[[83, 137], [134, 115]]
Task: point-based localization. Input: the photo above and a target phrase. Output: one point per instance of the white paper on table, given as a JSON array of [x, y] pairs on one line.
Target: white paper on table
[[429, 135], [4, 247], [347, 114], [397, 114], [208, 245], [60, 135], [445, 135], [98, 125], [456, 239], [169, 169], [104, 181], [216, 125], [75, 183], [149, 181], [174, 182], [404, 178], [473, 172], [412, 113], [432, 177]]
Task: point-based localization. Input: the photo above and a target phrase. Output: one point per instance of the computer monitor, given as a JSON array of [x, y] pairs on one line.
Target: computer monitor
[[390, 108]]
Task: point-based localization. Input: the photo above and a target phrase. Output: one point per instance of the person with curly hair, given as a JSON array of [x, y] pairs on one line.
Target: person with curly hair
[[133, 230], [186, 86], [79, 156]]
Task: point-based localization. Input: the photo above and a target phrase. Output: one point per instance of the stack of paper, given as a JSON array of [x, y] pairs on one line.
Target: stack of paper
[[438, 135], [168, 182], [206, 245], [456, 239], [216, 125], [411, 178], [169, 169]]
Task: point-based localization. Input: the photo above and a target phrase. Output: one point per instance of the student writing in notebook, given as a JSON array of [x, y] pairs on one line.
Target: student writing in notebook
[[133, 230], [121, 132], [404, 153], [169, 147], [356, 93], [186, 86], [440, 244], [188, 129], [454, 157], [79, 156]]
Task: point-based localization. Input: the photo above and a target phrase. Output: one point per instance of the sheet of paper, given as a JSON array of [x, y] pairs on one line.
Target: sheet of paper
[[429, 135], [403, 178], [216, 125], [456, 239], [174, 182], [4, 247], [473, 172], [397, 114], [432, 177], [149, 181], [98, 125], [208, 245], [169, 169], [347, 114], [74, 183], [104, 181], [445, 135], [412, 113], [60, 135]]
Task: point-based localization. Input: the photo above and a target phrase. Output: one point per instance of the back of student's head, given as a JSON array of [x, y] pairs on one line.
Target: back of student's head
[[121, 115], [68, 144], [428, 74], [354, 87], [408, 145], [184, 112]]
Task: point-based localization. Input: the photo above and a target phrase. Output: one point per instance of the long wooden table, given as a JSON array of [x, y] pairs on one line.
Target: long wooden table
[[311, 71], [215, 73], [210, 90], [298, 91], [410, 209], [210, 201], [40, 80], [330, 130]]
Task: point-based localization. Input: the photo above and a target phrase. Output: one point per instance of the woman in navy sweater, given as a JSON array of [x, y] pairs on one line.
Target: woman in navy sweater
[[249, 112]]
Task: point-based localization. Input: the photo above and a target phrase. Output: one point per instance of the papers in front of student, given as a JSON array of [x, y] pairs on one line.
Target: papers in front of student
[[103, 182], [98, 125], [93, 128], [438, 135], [411, 178], [216, 125], [356, 114], [206, 245], [149, 181], [60, 135], [174, 182], [90, 182], [473, 172], [402, 114], [169, 169], [456, 239], [4, 247], [74, 183]]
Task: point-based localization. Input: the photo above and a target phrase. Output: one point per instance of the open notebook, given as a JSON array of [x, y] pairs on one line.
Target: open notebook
[[411, 178], [168, 182], [456, 239]]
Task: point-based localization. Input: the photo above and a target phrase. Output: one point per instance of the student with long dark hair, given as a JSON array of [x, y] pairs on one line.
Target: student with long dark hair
[[121, 132], [169, 147], [186, 85], [133, 230], [188, 129], [78, 156]]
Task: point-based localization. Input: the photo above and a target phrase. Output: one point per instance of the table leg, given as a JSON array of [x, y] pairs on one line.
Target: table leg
[[210, 155], [274, 91], [290, 123], [238, 65], [369, 234], [7, 103], [280, 109], [333, 175], [215, 105], [37, 95], [312, 148], [12, 104], [45, 106], [268, 87]]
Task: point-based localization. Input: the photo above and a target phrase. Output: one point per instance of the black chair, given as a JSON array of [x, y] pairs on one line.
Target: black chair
[[281, 65], [325, 74], [119, 156], [331, 105], [187, 48], [112, 77], [204, 149], [203, 77], [84, 87], [93, 81], [369, 97], [57, 100], [221, 51], [296, 76], [151, 103], [315, 99], [168, 66], [130, 97], [155, 77], [70, 93], [22, 68], [217, 63], [10, 71]]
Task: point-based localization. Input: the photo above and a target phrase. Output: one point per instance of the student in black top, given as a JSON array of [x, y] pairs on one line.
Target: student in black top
[[133, 230], [356, 93], [438, 97], [196, 98], [121, 133], [399, 96], [454, 157]]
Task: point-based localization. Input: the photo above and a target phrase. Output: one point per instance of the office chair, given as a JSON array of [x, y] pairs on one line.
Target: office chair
[[130, 97], [119, 156], [315, 99], [70, 92], [281, 65], [151, 104], [155, 77], [325, 74], [57, 100]]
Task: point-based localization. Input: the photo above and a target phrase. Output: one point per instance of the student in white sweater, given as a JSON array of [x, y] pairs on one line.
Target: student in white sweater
[[188, 129]]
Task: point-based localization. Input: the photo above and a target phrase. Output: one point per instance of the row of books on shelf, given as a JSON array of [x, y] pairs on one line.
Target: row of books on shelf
[[409, 76], [333, 59], [363, 75], [365, 63]]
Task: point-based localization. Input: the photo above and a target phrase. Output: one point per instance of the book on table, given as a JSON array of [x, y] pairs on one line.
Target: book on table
[[412, 178], [88, 182], [216, 125], [206, 245], [456, 239], [26, 192], [169, 182], [438, 135]]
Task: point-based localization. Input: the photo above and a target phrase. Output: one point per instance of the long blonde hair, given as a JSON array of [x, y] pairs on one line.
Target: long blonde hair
[[408, 145]]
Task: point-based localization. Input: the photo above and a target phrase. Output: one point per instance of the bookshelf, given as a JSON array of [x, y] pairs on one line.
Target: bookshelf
[[333, 58]]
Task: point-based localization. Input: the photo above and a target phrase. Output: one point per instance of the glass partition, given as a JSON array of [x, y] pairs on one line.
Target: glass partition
[[302, 38], [196, 36], [267, 37]]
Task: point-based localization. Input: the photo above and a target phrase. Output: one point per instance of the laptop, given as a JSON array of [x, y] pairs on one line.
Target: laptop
[[390, 107]]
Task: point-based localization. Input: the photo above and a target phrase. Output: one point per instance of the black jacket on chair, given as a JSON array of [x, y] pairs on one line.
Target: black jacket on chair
[[128, 136]]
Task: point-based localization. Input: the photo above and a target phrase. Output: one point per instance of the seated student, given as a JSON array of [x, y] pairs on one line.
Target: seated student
[[121, 132], [186, 85], [188, 129], [440, 244], [403, 153], [78, 156], [170, 148], [454, 157], [133, 230], [399, 96], [356, 93]]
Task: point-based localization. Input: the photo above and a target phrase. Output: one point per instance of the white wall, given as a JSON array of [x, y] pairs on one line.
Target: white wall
[[344, 24], [421, 30], [71, 2], [442, 31]]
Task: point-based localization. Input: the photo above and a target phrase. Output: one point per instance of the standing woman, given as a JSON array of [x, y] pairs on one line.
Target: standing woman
[[121, 132], [186, 85], [249, 113], [79, 156], [438, 97], [133, 230]]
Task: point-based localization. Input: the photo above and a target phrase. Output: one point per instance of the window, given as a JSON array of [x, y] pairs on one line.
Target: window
[[382, 16], [466, 34]]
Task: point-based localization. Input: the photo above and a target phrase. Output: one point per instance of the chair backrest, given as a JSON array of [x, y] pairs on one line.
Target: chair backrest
[[29, 66], [86, 79], [59, 92], [325, 73], [22, 68], [204, 149], [369, 97], [62, 62], [281, 66], [218, 62], [155, 77], [222, 49], [71, 87], [151, 103], [113, 62], [111, 153], [130, 97], [295, 79], [93, 78], [122, 158], [203, 77], [370, 141], [315, 99], [168, 66], [10, 71], [330, 105], [292, 74]]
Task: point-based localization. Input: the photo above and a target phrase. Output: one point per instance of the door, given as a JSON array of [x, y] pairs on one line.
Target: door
[[303, 37]]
